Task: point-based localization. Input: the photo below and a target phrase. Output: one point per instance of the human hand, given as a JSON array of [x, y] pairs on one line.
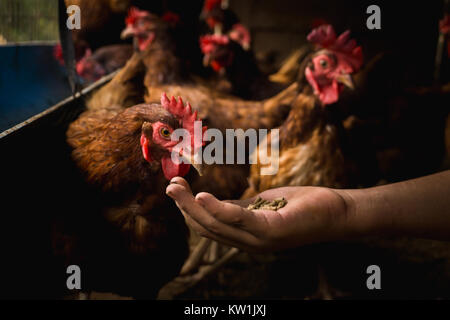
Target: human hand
[[311, 215]]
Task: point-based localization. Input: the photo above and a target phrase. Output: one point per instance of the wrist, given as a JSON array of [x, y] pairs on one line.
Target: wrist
[[358, 220], [367, 212]]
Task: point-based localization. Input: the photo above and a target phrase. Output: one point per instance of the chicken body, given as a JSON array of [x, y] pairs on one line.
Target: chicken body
[[239, 67], [311, 140], [289, 68], [227, 112], [310, 152], [103, 61], [222, 20], [129, 239], [154, 63], [126, 89]]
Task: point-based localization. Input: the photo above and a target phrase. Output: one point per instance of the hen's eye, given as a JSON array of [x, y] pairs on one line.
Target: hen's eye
[[165, 132], [323, 63]]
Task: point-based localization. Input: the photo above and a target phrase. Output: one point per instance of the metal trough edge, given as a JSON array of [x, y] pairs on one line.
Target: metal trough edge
[[57, 106]]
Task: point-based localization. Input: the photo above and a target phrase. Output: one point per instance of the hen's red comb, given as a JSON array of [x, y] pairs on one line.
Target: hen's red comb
[[209, 42], [177, 108], [325, 37], [184, 113], [134, 14]]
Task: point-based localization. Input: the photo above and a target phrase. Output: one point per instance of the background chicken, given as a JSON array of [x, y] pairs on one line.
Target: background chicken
[[103, 61], [158, 52], [129, 232], [98, 47], [154, 63], [227, 57], [288, 70], [164, 72], [222, 20], [311, 139], [102, 21]]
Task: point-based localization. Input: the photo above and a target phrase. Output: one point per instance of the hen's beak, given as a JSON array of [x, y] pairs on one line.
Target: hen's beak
[[127, 33], [346, 80], [194, 161]]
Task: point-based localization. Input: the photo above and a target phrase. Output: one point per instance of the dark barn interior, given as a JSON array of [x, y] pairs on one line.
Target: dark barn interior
[[43, 185]]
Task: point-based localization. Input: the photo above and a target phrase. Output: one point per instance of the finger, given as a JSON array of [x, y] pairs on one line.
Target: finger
[[177, 191], [181, 195], [181, 182], [226, 212], [198, 228], [188, 205], [235, 216], [185, 201], [242, 203], [205, 233]]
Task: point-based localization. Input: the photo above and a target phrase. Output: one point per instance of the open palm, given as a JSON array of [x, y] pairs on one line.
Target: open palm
[[311, 215]]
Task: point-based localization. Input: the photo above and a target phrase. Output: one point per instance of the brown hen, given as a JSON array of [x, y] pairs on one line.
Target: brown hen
[[130, 240], [311, 140]]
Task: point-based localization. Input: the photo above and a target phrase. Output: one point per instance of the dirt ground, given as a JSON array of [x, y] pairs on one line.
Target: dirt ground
[[410, 269]]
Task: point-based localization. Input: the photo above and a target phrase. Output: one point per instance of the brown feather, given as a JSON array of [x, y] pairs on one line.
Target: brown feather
[[139, 235]]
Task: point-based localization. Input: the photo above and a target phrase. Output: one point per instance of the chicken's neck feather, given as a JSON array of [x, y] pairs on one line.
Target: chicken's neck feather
[[162, 62], [306, 115], [114, 161]]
